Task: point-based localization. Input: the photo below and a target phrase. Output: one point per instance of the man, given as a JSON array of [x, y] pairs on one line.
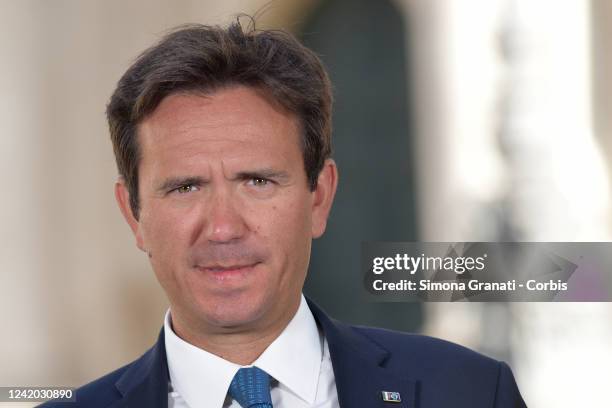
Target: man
[[223, 141]]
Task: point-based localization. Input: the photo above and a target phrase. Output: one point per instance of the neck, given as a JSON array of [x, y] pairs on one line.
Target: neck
[[239, 345]]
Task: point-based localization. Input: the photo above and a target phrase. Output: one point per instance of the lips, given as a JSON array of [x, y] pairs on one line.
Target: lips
[[221, 268], [227, 272]]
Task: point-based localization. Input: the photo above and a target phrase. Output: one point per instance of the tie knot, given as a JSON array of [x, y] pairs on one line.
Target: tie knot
[[251, 388]]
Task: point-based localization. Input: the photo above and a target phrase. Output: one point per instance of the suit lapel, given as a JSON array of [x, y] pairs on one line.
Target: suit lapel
[[359, 367], [145, 382]]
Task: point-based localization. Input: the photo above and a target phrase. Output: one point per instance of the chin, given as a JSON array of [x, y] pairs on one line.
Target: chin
[[234, 313]]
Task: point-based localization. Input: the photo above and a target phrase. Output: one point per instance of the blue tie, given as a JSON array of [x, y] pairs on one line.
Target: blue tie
[[251, 388]]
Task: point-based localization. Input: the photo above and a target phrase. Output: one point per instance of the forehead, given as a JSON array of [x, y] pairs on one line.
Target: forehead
[[237, 119]]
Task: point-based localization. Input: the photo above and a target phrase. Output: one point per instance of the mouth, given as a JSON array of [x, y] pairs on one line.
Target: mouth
[[225, 272]]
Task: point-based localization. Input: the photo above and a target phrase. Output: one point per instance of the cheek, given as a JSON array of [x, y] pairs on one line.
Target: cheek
[[166, 237], [165, 231], [285, 228]]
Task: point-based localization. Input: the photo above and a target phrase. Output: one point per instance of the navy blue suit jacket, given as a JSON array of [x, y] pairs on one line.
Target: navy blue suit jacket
[[427, 372]]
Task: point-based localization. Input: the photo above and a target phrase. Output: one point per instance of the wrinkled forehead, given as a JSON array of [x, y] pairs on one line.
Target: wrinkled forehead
[[233, 123]]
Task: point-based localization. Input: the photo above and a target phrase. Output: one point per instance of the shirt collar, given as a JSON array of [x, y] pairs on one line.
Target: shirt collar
[[200, 378], [293, 358]]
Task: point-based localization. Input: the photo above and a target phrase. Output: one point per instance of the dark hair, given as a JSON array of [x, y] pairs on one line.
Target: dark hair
[[204, 59]]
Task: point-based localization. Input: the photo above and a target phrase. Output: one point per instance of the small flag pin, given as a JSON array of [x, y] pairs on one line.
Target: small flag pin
[[391, 396]]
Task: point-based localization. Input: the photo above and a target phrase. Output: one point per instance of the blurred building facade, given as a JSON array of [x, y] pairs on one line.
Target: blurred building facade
[[498, 130]]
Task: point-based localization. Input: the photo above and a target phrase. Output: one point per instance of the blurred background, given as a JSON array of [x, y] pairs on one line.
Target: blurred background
[[471, 120]]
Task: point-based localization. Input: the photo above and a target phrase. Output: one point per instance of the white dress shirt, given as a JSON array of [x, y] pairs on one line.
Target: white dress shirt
[[298, 362]]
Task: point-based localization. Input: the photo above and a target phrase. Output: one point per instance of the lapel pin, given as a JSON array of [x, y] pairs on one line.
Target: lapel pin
[[391, 396]]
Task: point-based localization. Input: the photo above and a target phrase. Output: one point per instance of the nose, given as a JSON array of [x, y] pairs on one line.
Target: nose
[[224, 220]]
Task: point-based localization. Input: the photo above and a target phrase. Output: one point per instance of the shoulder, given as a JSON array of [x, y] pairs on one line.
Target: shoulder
[[430, 352], [442, 365], [143, 382], [138, 382], [99, 393], [417, 345], [418, 355]]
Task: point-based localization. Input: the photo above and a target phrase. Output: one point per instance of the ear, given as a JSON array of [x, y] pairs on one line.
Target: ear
[[122, 196], [324, 197]]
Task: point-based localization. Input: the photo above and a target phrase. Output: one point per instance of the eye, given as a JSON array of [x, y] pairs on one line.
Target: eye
[[187, 188], [259, 181]]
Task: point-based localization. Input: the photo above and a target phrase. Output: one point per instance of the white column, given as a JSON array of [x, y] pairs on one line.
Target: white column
[[558, 192], [24, 330]]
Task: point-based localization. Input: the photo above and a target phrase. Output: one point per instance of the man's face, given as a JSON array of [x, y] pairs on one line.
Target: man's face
[[226, 214]]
